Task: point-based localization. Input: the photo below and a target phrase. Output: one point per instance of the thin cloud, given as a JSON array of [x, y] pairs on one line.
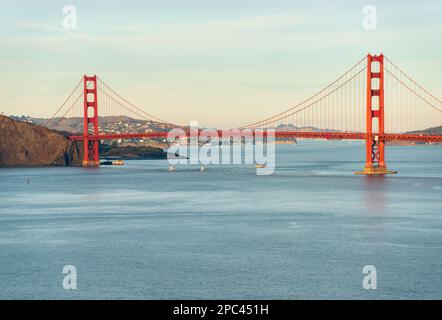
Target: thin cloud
[[265, 22], [37, 26], [48, 31], [258, 22]]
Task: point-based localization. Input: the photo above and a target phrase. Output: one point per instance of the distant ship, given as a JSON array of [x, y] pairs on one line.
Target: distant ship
[[171, 169]]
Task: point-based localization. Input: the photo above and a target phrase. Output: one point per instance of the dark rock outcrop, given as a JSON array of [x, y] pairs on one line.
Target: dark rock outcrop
[[25, 144], [132, 153]]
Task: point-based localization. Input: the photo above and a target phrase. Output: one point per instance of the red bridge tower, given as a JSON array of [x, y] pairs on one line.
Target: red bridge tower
[[375, 143], [90, 124]]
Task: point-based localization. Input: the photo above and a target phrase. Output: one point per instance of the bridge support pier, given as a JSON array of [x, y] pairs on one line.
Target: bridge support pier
[[375, 146], [91, 157]]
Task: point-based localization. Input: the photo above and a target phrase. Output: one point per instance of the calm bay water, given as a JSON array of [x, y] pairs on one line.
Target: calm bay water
[[140, 232]]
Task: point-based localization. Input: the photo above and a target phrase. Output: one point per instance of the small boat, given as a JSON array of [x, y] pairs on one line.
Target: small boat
[[172, 169], [260, 166], [202, 168], [112, 161], [118, 163]]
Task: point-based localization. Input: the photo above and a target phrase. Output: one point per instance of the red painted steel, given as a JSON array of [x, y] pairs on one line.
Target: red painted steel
[[375, 145], [280, 134], [91, 155]]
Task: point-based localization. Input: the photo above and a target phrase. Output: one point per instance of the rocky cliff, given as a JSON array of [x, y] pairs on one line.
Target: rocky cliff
[[25, 144]]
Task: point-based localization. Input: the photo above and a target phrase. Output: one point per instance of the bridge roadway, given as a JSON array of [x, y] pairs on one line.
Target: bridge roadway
[[278, 134]]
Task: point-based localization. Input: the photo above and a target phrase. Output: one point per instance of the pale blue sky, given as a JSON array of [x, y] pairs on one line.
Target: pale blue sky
[[223, 63]]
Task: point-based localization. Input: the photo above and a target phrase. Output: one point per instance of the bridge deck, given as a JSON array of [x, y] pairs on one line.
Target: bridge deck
[[280, 134]]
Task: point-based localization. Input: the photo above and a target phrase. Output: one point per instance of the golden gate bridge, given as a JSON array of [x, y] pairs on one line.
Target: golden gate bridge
[[374, 101]]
